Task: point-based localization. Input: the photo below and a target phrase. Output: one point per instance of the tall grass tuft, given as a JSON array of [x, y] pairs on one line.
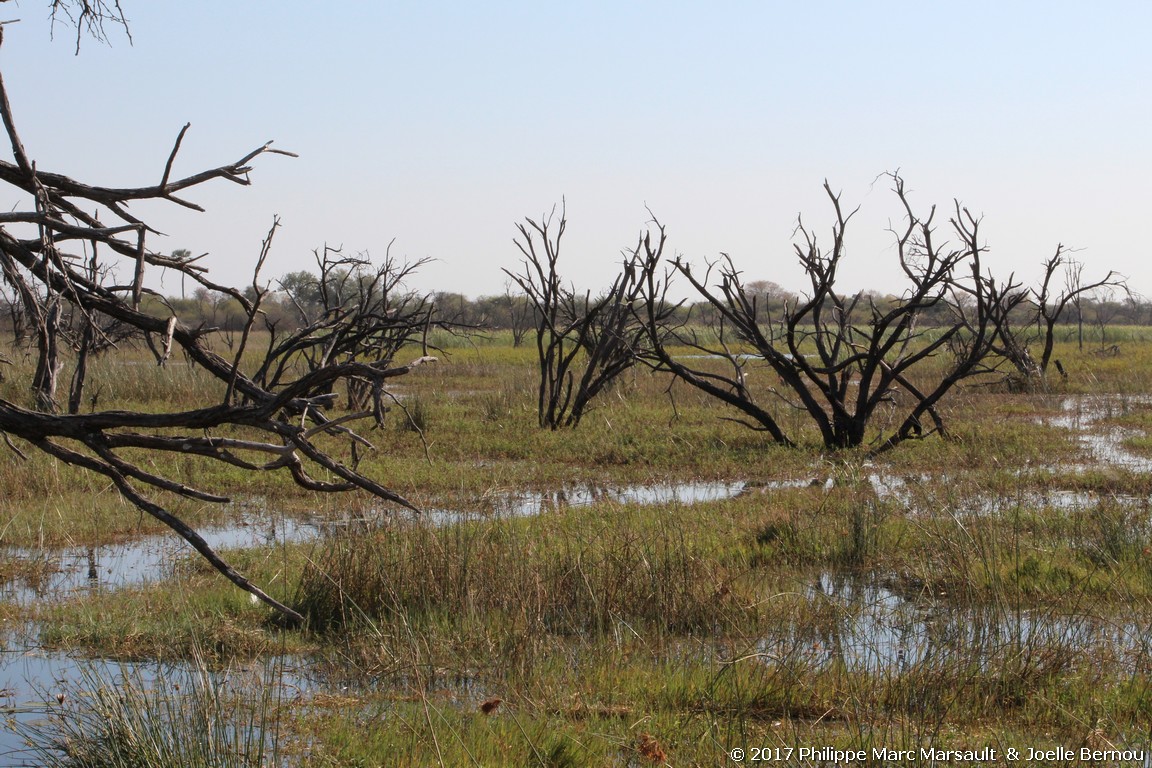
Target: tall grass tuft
[[565, 578], [187, 716], [416, 414]]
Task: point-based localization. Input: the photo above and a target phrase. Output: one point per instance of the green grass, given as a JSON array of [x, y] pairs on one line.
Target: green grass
[[615, 633]]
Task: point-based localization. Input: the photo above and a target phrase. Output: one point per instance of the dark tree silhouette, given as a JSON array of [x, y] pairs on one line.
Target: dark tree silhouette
[[583, 343], [1042, 311], [840, 358], [268, 412]]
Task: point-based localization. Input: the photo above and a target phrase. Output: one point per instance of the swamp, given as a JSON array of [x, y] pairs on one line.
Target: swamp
[[660, 586], [817, 475]]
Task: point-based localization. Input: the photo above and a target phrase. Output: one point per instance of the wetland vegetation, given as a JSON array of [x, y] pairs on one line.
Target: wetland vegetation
[[658, 586], [330, 521]]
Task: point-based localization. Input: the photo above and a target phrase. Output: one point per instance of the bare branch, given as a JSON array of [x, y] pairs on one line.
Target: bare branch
[[276, 404], [583, 343], [841, 358]]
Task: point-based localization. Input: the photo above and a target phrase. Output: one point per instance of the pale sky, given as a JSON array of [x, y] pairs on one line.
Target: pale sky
[[441, 124]]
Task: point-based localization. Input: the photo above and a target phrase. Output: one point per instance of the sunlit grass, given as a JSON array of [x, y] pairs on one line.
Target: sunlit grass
[[615, 632]]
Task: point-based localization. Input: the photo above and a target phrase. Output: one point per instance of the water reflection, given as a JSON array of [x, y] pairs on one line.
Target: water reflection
[[1083, 414], [860, 623], [63, 572], [531, 503]]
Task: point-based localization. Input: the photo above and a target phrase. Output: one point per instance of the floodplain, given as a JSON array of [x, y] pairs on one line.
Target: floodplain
[[660, 585]]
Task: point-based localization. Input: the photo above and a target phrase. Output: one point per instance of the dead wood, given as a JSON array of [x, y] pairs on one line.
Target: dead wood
[[273, 410]]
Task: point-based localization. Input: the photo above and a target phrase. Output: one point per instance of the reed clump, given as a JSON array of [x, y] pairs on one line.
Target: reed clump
[[187, 715]]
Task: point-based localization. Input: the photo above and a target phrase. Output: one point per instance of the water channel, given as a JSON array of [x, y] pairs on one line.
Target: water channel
[[875, 628]]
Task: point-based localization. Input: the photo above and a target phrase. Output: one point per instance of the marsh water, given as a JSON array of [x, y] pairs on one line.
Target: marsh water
[[66, 571], [31, 676], [36, 683], [874, 628], [866, 624]]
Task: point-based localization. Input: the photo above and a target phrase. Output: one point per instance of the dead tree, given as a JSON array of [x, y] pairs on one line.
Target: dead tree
[[1106, 308], [583, 344], [256, 421], [1042, 311], [518, 313], [841, 358], [13, 313], [351, 310], [89, 17], [1050, 308]]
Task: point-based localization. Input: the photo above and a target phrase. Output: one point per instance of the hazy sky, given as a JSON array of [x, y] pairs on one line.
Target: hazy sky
[[441, 124]]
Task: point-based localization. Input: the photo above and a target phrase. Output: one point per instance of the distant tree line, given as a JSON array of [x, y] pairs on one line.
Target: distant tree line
[[513, 312]]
